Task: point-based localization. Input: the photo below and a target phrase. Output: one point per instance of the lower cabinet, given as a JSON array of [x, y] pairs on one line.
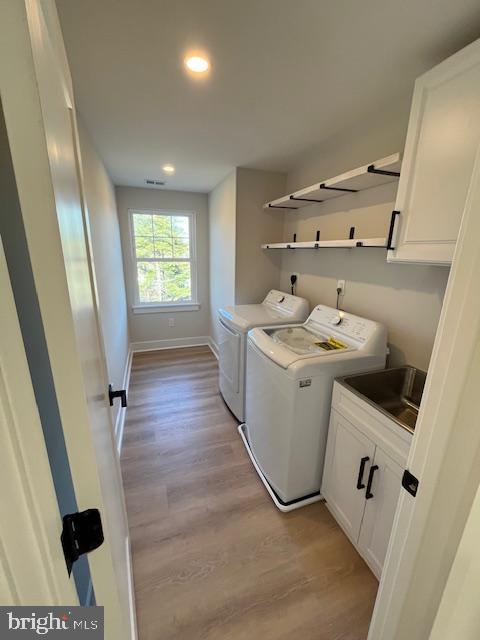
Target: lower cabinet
[[362, 482], [348, 459], [379, 511]]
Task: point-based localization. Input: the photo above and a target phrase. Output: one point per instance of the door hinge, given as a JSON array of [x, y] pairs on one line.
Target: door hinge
[[81, 532], [410, 483]]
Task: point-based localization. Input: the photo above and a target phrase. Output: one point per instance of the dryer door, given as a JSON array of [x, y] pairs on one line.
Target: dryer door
[[229, 355]]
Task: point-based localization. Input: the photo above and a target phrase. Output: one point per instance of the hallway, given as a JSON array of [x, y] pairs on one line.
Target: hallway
[[213, 558]]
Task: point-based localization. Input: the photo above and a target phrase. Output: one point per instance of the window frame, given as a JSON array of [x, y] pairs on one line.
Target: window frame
[[152, 307]]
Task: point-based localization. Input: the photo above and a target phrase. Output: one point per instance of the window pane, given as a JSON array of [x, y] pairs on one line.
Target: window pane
[[176, 281], [142, 224], [144, 247], [148, 282], [180, 226], [162, 226], [163, 248], [181, 248], [164, 281]]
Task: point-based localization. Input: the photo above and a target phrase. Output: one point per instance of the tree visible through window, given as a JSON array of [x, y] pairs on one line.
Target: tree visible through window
[[163, 254]]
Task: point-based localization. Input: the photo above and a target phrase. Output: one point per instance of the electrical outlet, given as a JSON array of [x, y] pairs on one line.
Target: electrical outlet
[[341, 286], [171, 322]]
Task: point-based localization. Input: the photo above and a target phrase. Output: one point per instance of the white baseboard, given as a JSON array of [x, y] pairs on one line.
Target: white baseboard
[[213, 347], [131, 591], [173, 343], [120, 421]]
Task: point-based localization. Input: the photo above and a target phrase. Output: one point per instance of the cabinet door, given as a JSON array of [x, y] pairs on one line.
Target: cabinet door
[[380, 511], [346, 448], [442, 139]]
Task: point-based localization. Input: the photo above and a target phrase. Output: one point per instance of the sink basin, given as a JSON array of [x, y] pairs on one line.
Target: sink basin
[[395, 392]]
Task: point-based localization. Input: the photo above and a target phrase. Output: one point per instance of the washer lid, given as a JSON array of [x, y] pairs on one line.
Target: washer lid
[[327, 336], [304, 341]]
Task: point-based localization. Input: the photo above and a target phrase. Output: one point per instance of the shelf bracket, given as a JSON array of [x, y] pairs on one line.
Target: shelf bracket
[[383, 172], [304, 199], [391, 229], [324, 186], [274, 206]]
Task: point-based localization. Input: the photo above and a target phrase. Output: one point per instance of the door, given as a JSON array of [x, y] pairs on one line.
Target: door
[[381, 503], [32, 566], [443, 135], [41, 126], [457, 615], [444, 455], [348, 460]]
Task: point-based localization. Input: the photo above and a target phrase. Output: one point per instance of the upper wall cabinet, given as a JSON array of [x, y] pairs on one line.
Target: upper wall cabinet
[[442, 139]]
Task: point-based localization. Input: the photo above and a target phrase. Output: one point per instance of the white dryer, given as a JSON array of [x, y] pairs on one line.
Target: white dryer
[[234, 322], [290, 373]]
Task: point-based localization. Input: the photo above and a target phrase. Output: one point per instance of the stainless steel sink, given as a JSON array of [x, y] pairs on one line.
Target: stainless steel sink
[[395, 392]]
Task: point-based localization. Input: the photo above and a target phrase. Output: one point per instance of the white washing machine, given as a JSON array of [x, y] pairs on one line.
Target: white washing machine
[[233, 323], [290, 373]]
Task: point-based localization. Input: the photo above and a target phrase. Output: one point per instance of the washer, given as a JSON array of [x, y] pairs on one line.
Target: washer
[[233, 323], [290, 373]]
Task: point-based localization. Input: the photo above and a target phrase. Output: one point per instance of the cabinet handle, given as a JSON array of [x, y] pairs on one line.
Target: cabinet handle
[[369, 493], [363, 462]]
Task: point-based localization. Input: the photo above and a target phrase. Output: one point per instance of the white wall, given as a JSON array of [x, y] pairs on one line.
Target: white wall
[[256, 270], [108, 262], [147, 327], [222, 238], [406, 298]]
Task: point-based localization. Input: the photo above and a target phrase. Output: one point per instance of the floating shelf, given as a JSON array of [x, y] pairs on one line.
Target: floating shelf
[[380, 243], [370, 175]]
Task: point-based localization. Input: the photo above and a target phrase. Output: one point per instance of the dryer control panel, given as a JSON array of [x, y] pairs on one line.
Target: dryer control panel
[[286, 303]]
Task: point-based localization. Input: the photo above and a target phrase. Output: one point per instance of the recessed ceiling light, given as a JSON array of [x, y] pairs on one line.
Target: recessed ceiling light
[[197, 64], [168, 168]]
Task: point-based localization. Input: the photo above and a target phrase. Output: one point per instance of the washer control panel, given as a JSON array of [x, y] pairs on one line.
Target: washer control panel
[[341, 322]]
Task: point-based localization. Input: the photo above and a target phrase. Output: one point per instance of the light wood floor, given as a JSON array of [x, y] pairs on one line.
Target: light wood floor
[[213, 558]]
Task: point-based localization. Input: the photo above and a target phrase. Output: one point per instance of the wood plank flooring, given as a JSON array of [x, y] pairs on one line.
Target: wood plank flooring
[[213, 558]]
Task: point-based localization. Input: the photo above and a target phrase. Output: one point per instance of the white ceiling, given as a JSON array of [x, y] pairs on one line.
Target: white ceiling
[[286, 74]]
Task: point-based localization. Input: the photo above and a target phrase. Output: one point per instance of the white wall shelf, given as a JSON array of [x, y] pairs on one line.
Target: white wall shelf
[[369, 175], [380, 243]]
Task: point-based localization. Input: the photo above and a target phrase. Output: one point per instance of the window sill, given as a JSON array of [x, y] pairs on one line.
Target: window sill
[[165, 308]]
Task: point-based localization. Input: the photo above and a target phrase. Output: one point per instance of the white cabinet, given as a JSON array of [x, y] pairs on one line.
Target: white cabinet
[[347, 461], [442, 139], [380, 510], [364, 462]]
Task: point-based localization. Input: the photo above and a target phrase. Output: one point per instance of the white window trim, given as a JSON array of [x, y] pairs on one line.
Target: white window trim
[[163, 307]]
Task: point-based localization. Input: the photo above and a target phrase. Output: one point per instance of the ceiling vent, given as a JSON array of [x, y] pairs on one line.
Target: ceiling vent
[[155, 183]]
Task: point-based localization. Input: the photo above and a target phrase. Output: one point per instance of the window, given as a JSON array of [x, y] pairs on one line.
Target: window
[[164, 255]]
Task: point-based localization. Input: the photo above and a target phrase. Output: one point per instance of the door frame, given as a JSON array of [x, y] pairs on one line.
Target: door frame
[[21, 45], [445, 454], [31, 559]]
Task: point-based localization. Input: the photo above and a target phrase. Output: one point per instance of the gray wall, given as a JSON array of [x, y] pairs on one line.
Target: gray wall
[[222, 232], [406, 298], [146, 327], [256, 271], [108, 262], [240, 271]]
